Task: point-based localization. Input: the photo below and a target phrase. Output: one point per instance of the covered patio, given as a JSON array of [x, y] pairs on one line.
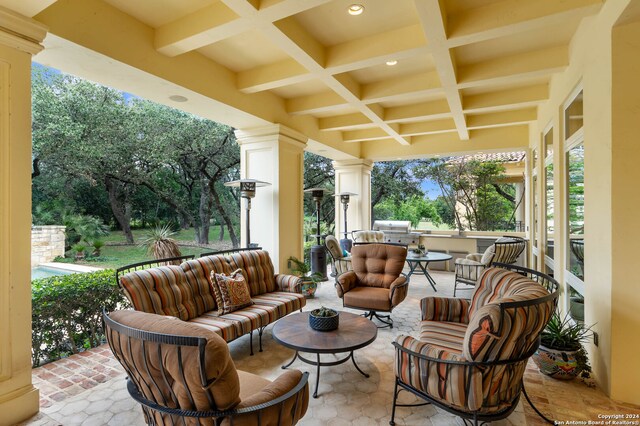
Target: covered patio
[[398, 80]]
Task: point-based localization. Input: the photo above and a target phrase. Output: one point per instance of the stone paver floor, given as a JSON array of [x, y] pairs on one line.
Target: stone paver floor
[[89, 388]]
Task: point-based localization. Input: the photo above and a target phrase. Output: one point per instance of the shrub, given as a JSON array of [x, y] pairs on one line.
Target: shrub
[[67, 313]]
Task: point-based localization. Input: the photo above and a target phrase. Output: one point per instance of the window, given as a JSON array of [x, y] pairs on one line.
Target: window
[[575, 210], [549, 199], [573, 117]]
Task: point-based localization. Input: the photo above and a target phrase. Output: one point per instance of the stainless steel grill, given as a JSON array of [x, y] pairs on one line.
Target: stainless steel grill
[[397, 231]]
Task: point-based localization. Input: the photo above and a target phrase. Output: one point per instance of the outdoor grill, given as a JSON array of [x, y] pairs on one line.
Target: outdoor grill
[[397, 231]]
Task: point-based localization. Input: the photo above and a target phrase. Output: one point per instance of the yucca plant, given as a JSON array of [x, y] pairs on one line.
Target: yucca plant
[[159, 243], [564, 334]]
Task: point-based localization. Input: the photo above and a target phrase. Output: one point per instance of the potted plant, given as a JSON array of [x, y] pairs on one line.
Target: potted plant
[[79, 249], [561, 354], [324, 319], [303, 270], [419, 251]]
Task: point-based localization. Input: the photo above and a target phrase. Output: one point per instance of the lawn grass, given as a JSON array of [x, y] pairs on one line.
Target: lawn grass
[[117, 253], [182, 235]]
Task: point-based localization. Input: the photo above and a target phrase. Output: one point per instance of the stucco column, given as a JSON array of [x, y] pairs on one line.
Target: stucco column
[[20, 38], [353, 176], [275, 154]]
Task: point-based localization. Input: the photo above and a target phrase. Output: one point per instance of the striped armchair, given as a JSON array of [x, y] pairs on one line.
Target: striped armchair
[[339, 262], [504, 250], [471, 354]]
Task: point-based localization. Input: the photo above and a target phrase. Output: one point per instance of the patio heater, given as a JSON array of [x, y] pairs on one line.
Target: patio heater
[[345, 243], [318, 252], [247, 191]]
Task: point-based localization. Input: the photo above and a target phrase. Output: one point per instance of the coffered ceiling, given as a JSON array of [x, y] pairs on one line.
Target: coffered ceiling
[[461, 66]]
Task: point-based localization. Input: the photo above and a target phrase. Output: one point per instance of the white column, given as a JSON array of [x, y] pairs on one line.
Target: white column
[[19, 39], [520, 197], [275, 154], [353, 176]]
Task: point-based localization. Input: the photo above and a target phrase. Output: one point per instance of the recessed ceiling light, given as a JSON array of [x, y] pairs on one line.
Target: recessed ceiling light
[[437, 156], [392, 63], [355, 9], [178, 98]]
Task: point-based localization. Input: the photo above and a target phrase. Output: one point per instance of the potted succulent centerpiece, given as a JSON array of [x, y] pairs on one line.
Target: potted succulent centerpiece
[[324, 319], [418, 251], [561, 354], [303, 270]]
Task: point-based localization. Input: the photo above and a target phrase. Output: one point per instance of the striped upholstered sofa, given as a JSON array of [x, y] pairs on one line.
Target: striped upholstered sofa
[[184, 291], [471, 355]]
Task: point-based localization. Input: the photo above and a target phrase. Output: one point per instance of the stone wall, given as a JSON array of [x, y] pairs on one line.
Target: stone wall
[[47, 242]]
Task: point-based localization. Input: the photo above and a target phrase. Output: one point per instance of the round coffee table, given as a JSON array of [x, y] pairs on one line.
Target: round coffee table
[[423, 261], [354, 332]]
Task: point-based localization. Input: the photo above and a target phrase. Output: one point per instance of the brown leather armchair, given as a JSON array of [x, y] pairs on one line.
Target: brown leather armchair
[[376, 283]]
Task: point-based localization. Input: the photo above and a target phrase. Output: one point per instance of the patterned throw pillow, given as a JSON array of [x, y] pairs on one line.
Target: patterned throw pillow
[[232, 291]]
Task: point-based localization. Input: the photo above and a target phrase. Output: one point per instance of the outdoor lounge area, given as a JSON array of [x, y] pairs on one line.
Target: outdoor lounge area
[[89, 388], [359, 83]]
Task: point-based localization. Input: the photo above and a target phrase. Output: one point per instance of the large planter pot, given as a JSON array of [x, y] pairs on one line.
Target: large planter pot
[[576, 308], [309, 287], [557, 364]]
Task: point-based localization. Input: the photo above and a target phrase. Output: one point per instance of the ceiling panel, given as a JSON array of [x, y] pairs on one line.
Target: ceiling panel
[[305, 88], [382, 71], [330, 23], [244, 51], [158, 12]]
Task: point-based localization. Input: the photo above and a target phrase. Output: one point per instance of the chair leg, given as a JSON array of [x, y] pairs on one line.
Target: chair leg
[[395, 399], [260, 330], [386, 319], [251, 342], [455, 287]]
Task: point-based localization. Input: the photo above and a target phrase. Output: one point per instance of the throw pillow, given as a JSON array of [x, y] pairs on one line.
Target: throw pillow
[[231, 291]]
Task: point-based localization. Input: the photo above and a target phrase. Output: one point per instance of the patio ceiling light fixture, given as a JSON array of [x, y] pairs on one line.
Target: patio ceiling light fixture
[[345, 242], [318, 252], [247, 191], [355, 9], [392, 63]]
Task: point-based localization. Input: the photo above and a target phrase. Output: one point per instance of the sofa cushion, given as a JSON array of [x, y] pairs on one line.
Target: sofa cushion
[[488, 254], [443, 335], [220, 370], [257, 268], [198, 273], [374, 298], [163, 290], [232, 292]]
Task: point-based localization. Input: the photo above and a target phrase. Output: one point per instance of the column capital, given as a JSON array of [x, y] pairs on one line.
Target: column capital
[[360, 162], [271, 133], [20, 32]]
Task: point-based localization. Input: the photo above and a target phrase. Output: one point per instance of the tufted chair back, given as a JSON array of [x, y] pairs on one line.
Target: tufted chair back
[[378, 265], [368, 237]]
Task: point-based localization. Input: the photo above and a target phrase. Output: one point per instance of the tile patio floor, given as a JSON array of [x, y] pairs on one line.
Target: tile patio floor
[[89, 388]]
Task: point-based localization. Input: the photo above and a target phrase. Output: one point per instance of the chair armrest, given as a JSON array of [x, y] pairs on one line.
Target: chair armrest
[[450, 376], [288, 384], [450, 309], [345, 282], [398, 290], [289, 283]]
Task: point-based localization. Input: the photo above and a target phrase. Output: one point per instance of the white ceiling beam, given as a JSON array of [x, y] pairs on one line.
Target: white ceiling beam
[[529, 96], [345, 122], [362, 135], [365, 52], [399, 87], [433, 17], [317, 103], [504, 118], [221, 20], [428, 127], [277, 74], [373, 50], [418, 112], [505, 18], [513, 68], [498, 139]]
